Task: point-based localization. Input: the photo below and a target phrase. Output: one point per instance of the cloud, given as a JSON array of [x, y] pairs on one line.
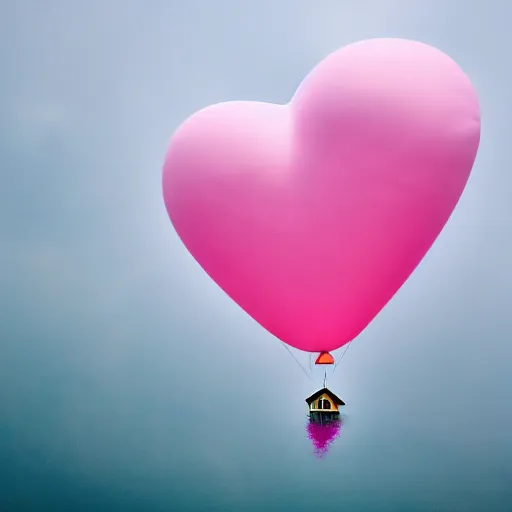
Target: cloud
[[108, 326]]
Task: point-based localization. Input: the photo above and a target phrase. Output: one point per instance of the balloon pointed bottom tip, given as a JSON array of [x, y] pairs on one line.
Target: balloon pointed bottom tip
[[324, 358]]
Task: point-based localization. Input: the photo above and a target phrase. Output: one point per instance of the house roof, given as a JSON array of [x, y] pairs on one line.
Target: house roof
[[335, 398]]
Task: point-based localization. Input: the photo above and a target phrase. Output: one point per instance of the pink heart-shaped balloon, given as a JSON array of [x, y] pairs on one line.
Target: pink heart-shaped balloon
[[311, 215]]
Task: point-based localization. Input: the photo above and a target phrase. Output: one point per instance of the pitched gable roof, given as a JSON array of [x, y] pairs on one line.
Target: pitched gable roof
[[335, 398]]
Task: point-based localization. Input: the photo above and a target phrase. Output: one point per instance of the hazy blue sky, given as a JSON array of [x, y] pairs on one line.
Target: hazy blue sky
[[117, 352]]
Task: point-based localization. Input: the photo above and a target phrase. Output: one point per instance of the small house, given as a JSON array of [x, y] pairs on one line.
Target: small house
[[324, 405]]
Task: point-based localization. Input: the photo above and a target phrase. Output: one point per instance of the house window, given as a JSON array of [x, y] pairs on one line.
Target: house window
[[324, 404]]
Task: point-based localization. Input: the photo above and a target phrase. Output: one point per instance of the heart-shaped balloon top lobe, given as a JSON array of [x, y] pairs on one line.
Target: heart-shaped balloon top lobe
[[312, 215]]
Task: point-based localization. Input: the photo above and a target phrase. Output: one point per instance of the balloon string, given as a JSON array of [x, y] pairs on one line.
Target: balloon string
[[298, 362], [342, 356]]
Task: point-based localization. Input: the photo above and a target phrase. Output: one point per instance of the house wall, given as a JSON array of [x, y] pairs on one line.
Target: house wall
[[314, 405]]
